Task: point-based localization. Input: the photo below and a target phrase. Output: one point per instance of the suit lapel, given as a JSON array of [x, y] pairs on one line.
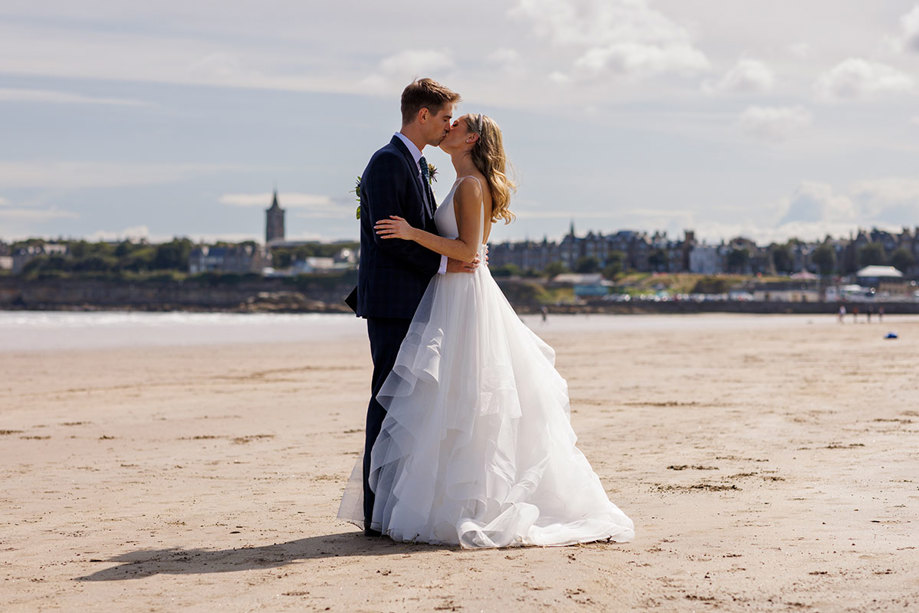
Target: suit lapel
[[425, 196]]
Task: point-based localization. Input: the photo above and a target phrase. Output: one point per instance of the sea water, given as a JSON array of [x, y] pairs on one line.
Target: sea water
[[51, 330], [54, 330]]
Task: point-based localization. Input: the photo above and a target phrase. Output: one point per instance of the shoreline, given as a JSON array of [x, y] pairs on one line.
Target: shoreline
[[50, 331], [326, 295], [637, 307]]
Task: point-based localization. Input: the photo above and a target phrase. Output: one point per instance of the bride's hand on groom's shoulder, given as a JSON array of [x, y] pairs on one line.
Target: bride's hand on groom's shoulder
[[394, 227]]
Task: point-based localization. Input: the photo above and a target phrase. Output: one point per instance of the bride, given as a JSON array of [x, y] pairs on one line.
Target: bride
[[477, 448]]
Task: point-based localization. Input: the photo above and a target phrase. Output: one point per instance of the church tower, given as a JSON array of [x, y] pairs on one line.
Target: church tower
[[274, 221]]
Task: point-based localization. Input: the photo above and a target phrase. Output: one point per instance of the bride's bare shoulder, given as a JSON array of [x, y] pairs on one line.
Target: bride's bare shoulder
[[472, 187], [468, 185]]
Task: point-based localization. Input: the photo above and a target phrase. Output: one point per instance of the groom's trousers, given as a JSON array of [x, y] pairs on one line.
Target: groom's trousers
[[386, 335]]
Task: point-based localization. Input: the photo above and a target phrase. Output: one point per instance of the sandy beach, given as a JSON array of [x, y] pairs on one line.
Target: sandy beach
[[768, 464]]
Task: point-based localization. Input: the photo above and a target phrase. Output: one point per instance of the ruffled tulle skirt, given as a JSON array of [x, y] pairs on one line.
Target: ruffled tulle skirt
[[477, 448]]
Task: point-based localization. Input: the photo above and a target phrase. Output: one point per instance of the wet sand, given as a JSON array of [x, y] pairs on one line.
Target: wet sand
[[769, 464]]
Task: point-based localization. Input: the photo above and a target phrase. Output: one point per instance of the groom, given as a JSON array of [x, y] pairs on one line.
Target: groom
[[393, 274]]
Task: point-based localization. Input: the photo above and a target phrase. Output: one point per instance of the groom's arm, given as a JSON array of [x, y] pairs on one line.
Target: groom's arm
[[384, 190]]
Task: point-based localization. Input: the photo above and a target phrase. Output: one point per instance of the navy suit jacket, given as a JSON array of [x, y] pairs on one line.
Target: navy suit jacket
[[393, 273]]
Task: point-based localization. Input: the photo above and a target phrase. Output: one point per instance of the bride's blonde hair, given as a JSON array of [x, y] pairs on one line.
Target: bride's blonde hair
[[488, 156]]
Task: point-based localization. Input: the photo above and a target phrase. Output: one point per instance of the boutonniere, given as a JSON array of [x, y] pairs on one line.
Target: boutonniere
[[432, 176], [357, 195]]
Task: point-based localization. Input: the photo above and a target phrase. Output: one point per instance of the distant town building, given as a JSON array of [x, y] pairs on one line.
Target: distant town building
[[274, 221], [705, 260], [314, 264], [24, 255], [241, 259], [643, 252], [585, 285], [6, 256]]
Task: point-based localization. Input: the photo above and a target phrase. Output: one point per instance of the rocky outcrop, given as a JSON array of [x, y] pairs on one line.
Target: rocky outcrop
[[247, 296]]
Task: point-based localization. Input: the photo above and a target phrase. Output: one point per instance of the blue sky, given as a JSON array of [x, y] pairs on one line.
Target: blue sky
[[758, 118]]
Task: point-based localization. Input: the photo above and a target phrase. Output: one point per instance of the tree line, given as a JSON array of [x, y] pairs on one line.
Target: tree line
[[133, 259], [737, 260]]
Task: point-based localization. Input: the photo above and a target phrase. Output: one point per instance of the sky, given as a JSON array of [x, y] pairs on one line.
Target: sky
[[762, 119]]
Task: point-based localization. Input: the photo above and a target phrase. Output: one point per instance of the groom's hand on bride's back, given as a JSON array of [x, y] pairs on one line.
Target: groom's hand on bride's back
[[461, 266]]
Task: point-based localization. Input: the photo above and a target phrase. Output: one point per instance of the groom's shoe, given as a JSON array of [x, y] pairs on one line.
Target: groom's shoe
[[371, 532]]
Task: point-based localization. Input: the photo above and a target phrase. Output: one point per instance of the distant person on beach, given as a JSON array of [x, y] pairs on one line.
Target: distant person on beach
[[475, 446], [880, 314], [855, 314], [842, 313]]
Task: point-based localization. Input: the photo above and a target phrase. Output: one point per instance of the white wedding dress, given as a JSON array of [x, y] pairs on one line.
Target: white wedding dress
[[477, 448]]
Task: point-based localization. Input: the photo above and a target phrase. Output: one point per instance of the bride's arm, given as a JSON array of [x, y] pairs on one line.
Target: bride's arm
[[467, 202]]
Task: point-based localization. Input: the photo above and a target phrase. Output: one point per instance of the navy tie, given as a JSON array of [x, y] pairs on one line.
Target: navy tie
[[428, 195], [424, 169]]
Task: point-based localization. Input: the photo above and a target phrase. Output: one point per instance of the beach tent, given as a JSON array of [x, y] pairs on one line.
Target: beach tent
[[804, 275]]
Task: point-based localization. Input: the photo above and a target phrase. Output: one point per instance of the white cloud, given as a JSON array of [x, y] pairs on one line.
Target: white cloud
[[133, 233], [748, 76], [306, 205], [286, 200], [887, 197], [811, 231], [774, 123], [34, 214], [618, 36], [508, 60], [85, 53], [857, 78], [763, 235], [215, 68], [398, 70], [140, 47], [60, 97], [817, 209], [416, 62], [909, 25], [890, 188], [230, 237], [76, 175], [143, 232], [800, 50], [565, 214], [815, 202], [642, 59]]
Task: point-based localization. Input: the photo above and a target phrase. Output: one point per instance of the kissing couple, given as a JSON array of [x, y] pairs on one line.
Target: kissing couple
[[469, 440]]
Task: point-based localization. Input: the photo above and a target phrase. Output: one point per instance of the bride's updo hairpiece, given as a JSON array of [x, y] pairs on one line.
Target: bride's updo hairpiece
[[488, 156]]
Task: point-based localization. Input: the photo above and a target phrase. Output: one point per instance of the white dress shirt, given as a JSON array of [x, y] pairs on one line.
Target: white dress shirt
[[416, 155]]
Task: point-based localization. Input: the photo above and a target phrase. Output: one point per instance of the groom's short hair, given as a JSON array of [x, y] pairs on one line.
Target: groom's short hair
[[425, 93]]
